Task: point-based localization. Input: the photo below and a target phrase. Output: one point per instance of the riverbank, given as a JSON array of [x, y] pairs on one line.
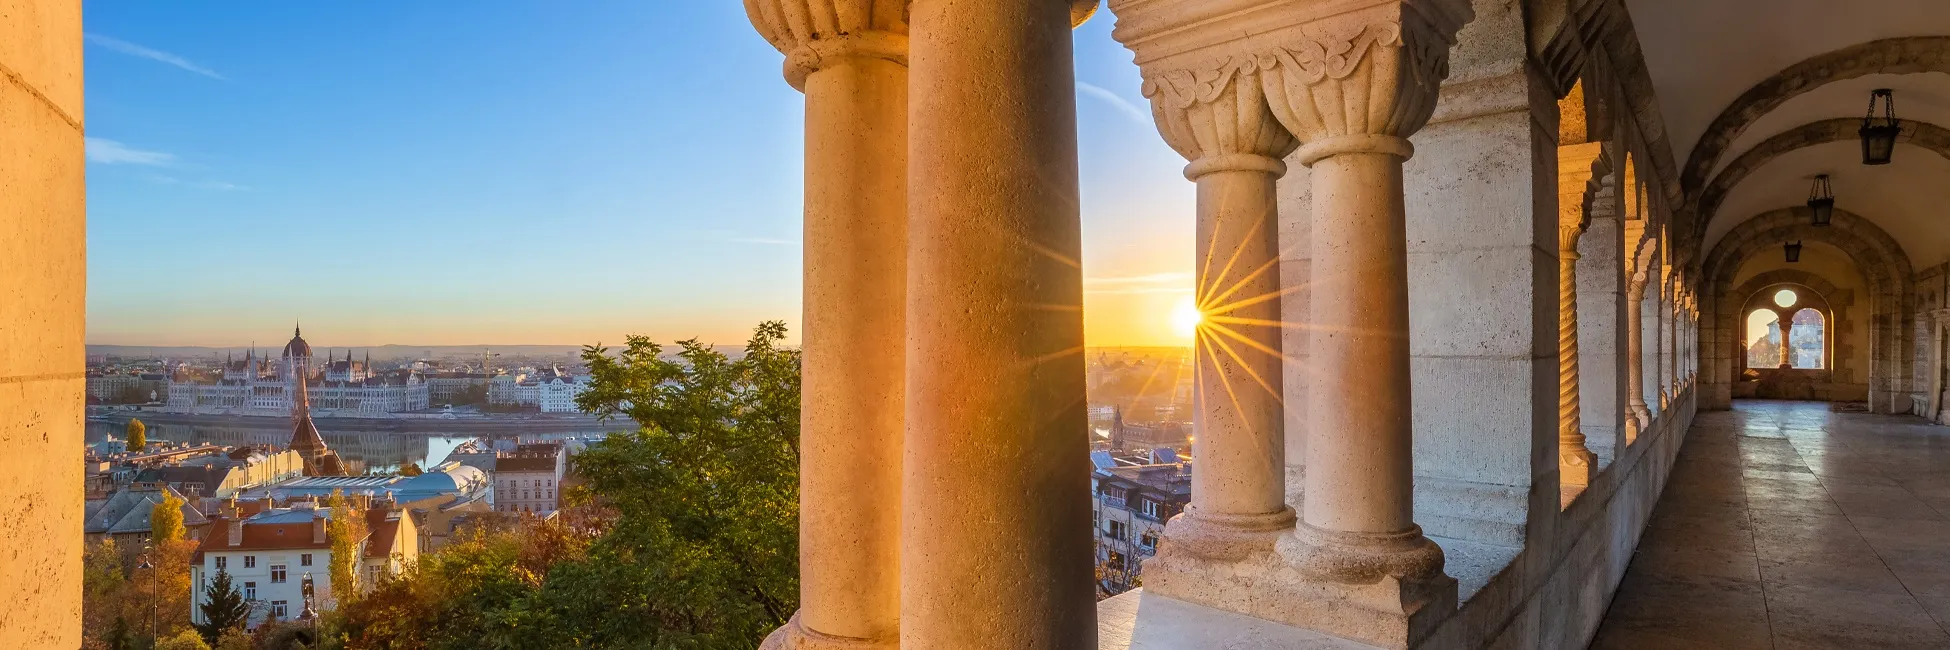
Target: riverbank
[[484, 423]]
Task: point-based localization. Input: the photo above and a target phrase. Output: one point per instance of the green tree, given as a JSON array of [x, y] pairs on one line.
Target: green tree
[[346, 532], [104, 587], [137, 433], [166, 519], [186, 640], [703, 550], [119, 636], [224, 609], [233, 639]]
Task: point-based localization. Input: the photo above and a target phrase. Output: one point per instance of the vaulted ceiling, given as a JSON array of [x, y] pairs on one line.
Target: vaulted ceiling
[[1706, 57]]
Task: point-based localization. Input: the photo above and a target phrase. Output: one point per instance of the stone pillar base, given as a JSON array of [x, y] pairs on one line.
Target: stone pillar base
[[794, 636], [1391, 612]]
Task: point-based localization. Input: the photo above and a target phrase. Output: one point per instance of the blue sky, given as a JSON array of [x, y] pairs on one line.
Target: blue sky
[[508, 172]]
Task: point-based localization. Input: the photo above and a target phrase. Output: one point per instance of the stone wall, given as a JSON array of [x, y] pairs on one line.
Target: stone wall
[[43, 278]]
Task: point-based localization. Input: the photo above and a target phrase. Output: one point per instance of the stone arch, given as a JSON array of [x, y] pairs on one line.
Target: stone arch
[[1876, 255], [1905, 55], [1921, 134]]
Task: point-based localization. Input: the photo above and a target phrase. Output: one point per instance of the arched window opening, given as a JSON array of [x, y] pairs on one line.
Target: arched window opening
[[1763, 339], [1808, 337]]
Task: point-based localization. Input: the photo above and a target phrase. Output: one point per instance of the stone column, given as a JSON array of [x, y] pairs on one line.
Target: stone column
[[1355, 112], [996, 550], [1601, 324], [1238, 507], [1576, 463], [1640, 415], [1787, 350], [43, 283], [853, 70]]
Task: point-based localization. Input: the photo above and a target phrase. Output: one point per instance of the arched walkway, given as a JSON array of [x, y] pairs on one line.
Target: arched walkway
[[1786, 524]]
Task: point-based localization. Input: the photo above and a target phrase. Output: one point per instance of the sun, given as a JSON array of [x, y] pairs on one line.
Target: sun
[[1185, 318]]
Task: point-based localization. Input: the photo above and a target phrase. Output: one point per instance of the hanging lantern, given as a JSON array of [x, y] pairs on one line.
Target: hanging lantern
[[1879, 133], [1821, 201], [1793, 251]]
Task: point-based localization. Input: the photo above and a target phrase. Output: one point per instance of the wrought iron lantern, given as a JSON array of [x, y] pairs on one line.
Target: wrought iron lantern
[[1879, 133], [1793, 249], [1821, 201]]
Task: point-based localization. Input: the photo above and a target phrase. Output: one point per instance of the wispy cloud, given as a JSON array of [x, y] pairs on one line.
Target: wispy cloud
[[110, 152], [1130, 110], [1177, 282], [763, 240], [132, 49]]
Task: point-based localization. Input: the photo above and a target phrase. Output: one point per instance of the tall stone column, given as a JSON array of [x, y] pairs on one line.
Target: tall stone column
[[996, 550], [853, 69], [1235, 146], [1640, 415], [1354, 112], [43, 286], [1787, 349], [1576, 463]]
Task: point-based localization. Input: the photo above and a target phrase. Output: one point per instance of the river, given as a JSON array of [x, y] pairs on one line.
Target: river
[[363, 451]]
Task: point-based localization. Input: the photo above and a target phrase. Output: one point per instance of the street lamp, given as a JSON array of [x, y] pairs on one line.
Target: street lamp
[[1879, 135], [155, 593], [1821, 201], [311, 612], [1793, 250]]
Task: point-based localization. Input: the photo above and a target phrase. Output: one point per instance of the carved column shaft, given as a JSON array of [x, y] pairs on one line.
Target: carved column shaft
[[1576, 463], [849, 57], [1640, 415], [1787, 345]]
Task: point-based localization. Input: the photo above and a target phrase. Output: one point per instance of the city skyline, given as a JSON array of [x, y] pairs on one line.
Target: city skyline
[[512, 175]]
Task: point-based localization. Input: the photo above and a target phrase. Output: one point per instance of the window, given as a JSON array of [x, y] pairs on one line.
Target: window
[[1149, 540], [1763, 339], [1806, 339], [250, 561], [222, 562], [277, 574], [304, 559], [250, 591], [278, 609], [1149, 507], [1118, 530]]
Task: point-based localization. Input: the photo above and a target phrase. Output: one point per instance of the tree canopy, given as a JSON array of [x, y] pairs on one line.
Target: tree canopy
[[138, 435], [681, 534], [345, 531], [166, 519]]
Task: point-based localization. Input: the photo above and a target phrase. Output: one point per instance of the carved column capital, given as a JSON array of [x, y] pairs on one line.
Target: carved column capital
[[1341, 75], [1218, 119], [814, 33], [1942, 317]]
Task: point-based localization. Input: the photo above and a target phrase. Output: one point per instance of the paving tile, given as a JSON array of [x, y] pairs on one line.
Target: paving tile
[[1829, 618], [1788, 526], [1866, 577]]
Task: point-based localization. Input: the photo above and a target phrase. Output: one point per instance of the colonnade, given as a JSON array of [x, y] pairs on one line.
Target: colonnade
[[942, 490]]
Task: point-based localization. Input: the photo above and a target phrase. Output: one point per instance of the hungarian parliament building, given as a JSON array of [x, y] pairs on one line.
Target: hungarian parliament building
[[258, 385]]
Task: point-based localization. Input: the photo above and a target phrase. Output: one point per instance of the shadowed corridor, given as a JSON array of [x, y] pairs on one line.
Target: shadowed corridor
[[1787, 525]]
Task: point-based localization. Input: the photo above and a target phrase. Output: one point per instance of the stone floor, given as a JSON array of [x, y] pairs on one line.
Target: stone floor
[[1785, 526]]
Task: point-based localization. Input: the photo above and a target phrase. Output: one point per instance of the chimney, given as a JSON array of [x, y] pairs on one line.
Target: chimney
[[236, 525], [317, 529]]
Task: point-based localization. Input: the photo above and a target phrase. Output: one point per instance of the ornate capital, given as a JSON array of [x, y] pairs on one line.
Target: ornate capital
[[1942, 316], [814, 33], [1576, 164], [1335, 73], [1218, 119]]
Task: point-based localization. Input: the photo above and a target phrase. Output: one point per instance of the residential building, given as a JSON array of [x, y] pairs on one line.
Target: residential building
[[549, 391], [124, 515], [276, 555], [529, 479], [444, 387], [1132, 498]]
